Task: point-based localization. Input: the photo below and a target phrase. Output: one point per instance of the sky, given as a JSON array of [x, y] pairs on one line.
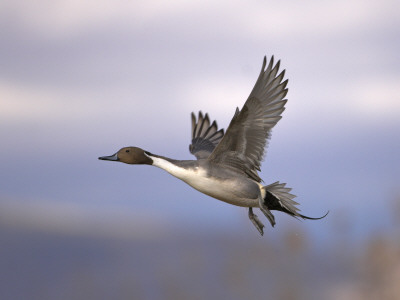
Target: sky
[[79, 80]]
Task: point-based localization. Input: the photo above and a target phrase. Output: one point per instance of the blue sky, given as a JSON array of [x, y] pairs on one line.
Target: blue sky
[[81, 80]]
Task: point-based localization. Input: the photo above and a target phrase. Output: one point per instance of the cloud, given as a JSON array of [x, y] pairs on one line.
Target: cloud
[[377, 98], [277, 19], [62, 19], [45, 104], [23, 103], [217, 94]]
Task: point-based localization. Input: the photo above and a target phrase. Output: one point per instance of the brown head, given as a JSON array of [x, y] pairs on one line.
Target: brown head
[[130, 155]]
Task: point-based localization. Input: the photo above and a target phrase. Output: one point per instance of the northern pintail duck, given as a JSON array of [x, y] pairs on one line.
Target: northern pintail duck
[[227, 164]]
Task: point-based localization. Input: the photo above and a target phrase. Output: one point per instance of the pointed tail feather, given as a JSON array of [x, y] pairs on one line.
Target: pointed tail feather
[[278, 197]]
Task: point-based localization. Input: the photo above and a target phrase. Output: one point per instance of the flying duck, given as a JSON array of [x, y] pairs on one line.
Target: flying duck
[[227, 165]]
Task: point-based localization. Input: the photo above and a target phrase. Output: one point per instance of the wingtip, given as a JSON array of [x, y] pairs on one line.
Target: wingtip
[[270, 64], [263, 64], [277, 66]]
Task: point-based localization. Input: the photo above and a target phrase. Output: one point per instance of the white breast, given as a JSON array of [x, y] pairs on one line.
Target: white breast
[[225, 190]]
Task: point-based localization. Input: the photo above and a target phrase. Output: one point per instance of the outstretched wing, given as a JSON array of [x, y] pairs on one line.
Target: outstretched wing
[[205, 137], [242, 147]]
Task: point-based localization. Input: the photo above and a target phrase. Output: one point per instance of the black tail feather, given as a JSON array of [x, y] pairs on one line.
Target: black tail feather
[[310, 218], [277, 197]]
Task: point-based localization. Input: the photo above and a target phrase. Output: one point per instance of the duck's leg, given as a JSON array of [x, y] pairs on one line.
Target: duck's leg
[[266, 211], [257, 223]]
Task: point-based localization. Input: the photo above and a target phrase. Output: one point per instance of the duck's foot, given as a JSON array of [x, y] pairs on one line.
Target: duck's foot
[[266, 212], [257, 223]]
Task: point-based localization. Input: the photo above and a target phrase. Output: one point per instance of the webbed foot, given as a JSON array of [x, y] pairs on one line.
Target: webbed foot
[[257, 223], [266, 212]]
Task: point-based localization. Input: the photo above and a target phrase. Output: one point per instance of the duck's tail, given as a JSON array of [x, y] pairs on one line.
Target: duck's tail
[[278, 197]]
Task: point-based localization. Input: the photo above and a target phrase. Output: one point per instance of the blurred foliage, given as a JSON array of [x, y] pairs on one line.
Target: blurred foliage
[[286, 266]]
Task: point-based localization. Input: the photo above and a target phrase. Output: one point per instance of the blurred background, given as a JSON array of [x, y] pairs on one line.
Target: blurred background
[[81, 79]]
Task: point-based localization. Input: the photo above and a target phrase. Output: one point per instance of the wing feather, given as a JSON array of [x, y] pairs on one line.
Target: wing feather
[[243, 146], [205, 137]]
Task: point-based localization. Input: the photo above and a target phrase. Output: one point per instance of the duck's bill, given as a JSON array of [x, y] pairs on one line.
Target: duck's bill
[[111, 157]]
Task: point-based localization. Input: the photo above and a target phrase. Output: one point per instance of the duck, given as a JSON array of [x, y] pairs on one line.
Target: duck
[[227, 164]]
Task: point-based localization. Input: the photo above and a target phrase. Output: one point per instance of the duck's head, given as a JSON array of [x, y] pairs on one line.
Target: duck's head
[[130, 155]]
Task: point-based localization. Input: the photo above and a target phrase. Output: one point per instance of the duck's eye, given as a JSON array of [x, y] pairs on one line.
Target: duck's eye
[[127, 150]]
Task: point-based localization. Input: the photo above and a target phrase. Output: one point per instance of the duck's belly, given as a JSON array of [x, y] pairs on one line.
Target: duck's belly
[[225, 191], [240, 192]]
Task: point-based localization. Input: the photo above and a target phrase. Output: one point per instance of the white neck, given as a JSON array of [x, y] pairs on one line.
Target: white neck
[[163, 164], [186, 175]]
